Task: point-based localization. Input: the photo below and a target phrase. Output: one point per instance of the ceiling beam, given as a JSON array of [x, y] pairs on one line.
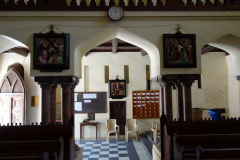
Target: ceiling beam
[[143, 52], [209, 48], [18, 50], [114, 45]]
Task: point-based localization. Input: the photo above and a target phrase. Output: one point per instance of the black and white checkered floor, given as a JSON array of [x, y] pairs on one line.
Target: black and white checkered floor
[[101, 150]]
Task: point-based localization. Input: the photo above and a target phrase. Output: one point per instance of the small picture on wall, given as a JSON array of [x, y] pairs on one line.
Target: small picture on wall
[[117, 89], [51, 52], [179, 50]]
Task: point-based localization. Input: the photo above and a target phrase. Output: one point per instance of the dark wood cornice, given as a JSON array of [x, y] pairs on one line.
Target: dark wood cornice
[[126, 8], [179, 78], [171, 5], [57, 79]]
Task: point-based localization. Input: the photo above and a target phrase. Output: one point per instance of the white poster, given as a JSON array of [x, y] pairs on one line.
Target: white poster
[[75, 96], [87, 101], [90, 96], [78, 106]]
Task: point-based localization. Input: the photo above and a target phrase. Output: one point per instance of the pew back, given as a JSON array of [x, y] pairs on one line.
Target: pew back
[[43, 157], [228, 154], [31, 148], [42, 132], [192, 128], [185, 145]]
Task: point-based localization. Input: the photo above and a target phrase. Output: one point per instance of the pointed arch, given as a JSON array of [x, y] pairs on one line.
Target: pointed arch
[[13, 92], [230, 44], [123, 34]]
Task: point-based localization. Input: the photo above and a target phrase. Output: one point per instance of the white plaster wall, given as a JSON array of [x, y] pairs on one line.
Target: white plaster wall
[[148, 25], [214, 93], [137, 81], [233, 90], [32, 88]]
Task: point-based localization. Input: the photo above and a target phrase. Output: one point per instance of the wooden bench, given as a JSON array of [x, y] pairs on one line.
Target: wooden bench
[[185, 145], [43, 157], [32, 148], [227, 154], [43, 132], [168, 128]]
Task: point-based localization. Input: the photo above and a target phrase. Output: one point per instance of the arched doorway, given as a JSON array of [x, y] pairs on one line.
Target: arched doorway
[[93, 65], [12, 99]]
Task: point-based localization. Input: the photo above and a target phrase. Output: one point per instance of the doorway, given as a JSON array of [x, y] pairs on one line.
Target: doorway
[[118, 112], [12, 99]]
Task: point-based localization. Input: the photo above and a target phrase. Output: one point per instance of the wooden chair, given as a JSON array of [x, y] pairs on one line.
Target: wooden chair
[[112, 127], [131, 127], [155, 128]]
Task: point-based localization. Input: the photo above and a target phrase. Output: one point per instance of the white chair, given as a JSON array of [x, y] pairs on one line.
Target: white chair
[[111, 126], [155, 128], [131, 127]]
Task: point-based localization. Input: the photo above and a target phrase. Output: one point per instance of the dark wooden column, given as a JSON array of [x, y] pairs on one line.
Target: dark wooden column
[[161, 99], [72, 101], [66, 102], [66, 83], [179, 92], [53, 105], [46, 102], [187, 99], [167, 91]]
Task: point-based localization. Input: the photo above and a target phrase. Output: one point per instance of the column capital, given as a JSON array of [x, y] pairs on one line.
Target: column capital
[[167, 83], [66, 86], [45, 85], [186, 83], [177, 84], [73, 86], [54, 86]]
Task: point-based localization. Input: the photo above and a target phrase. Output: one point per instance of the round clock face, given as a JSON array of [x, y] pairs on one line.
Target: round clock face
[[115, 13]]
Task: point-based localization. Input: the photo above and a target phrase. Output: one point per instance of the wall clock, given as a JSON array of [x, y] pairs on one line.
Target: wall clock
[[115, 13]]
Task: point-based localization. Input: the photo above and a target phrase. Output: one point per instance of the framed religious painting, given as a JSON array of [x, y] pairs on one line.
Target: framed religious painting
[[179, 50], [117, 89], [51, 52]]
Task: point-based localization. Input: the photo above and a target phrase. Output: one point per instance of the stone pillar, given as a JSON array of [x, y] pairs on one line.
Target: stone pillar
[[53, 105], [72, 101], [46, 102], [66, 102], [187, 99], [179, 92], [161, 100], [167, 91]]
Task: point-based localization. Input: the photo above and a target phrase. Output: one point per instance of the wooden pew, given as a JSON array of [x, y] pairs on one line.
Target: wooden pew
[[227, 153], [185, 145], [43, 132], [43, 157], [31, 148], [168, 128]]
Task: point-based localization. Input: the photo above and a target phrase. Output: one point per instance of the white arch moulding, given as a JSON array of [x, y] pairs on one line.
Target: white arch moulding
[[123, 34], [230, 44]]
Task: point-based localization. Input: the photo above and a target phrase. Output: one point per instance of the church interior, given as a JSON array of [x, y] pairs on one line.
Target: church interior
[[143, 79]]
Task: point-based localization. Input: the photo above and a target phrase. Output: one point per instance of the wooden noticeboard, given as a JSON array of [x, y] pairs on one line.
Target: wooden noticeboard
[[90, 102]]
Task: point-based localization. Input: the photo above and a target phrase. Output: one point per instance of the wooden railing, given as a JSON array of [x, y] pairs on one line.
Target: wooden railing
[[170, 5]]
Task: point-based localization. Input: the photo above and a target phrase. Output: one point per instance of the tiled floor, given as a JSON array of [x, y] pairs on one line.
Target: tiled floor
[[101, 150]]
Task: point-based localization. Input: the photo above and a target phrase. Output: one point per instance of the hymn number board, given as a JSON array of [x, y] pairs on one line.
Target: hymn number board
[[90, 102]]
